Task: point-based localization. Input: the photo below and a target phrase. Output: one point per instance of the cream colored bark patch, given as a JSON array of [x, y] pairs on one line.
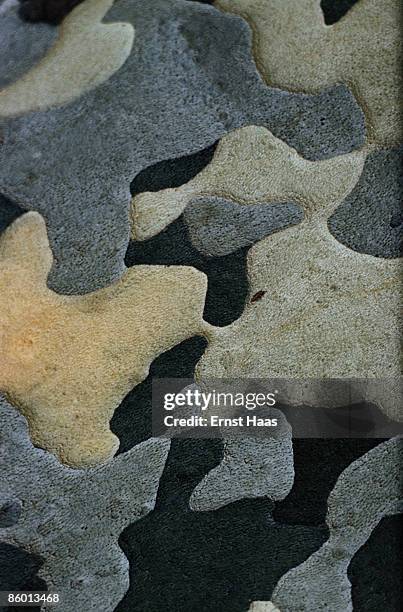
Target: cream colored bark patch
[[295, 50], [86, 54], [328, 312], [263, 606], [67, 361], [251, 166]]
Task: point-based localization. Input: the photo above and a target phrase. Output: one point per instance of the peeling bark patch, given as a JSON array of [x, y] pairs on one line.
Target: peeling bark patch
[[151, 108], [66, 362], [304, 54]]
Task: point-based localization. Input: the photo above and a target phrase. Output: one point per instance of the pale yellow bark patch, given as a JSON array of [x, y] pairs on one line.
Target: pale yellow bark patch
[[66, 362]]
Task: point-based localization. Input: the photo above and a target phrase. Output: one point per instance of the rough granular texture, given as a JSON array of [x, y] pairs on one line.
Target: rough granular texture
[[317, 464], [370, 220], [240, 549], [74, 163], [218, 226], [85, 54], [296, 50], [218, 195], [321, 582], [171, 173], [227, 283], [250, 166], [21, 46], [250, 468], [68, 361], [72, 519], [132, 420], [320, 300]]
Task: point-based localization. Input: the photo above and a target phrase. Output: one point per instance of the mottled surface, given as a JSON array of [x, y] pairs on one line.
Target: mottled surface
[[68, 361], [304, 54], [325, 310], [132, 420], [227, 283], [153, 108], [72, 519], [318, 464], [251, 166], [217, 560], [85, 54], [253, 210], [328, 312], [171, 173]]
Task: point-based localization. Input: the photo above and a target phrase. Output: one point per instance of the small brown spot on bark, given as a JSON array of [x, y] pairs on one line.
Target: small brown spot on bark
[[258, 296]]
